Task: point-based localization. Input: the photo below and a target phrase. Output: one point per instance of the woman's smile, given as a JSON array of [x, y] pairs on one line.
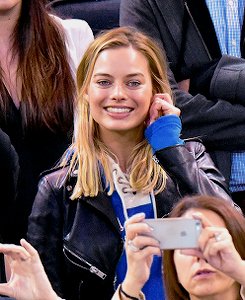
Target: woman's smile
[[120, 92]]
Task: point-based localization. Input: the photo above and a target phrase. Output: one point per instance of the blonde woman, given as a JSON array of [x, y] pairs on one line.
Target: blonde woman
[[127, 157]]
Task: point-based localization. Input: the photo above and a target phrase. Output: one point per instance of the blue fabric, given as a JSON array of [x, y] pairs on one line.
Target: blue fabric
[[237, 181], [153, 289], [164, 132], [227, 17]]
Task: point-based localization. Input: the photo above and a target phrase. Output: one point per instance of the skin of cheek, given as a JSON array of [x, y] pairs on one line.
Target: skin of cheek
[[100, 118]]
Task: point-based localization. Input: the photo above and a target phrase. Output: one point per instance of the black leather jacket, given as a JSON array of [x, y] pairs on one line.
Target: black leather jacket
[[79, 241]]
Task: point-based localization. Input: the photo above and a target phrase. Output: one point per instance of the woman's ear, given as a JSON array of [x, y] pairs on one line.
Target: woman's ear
[[86, 97]]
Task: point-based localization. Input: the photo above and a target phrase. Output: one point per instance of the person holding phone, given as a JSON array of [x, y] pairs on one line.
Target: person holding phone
[[214, 270], [127, 157], [218, 263]]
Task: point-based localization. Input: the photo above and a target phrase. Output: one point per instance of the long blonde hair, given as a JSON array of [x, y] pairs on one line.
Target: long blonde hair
[[90, 155]]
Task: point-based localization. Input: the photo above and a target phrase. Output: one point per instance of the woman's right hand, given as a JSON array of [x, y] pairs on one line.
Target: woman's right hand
[[140, 250], [162, 105]]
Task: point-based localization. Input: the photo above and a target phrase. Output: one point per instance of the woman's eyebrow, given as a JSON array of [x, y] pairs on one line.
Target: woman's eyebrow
[[135, 74], [102, 74], [127, 76]]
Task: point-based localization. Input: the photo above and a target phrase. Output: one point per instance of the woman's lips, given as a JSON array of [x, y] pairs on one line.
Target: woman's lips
[[204, 273]]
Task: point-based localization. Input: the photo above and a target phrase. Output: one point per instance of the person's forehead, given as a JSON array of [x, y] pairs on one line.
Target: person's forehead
[[214, 218]]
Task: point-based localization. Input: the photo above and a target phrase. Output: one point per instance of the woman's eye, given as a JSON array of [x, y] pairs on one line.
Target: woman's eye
[[103, 82], [133, 83]]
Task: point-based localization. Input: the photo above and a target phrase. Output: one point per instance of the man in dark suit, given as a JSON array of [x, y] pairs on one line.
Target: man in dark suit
[[191, 36]]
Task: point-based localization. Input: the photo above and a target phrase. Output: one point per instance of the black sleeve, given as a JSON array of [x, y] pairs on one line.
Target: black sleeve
[[218, 123], [228, 79], [9, 165], [193, 171], [45, 232]]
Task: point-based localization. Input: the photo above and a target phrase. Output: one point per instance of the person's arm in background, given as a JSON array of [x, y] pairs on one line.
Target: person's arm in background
[[28, 280], [45, 229], [9, 166], [218, 123]]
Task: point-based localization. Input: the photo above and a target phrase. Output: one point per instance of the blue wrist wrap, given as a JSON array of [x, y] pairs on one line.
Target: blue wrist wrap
[[164, 132]]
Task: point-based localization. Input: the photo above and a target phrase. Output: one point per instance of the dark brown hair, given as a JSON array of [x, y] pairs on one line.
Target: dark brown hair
[[234, 221], [48, 88]]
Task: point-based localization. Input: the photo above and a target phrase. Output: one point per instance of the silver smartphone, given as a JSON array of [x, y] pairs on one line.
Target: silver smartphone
[[175, 233]]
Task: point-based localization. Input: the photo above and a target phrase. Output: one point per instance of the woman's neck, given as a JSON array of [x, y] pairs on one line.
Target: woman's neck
[[8, 20], [122, 152], [121, 145], [8, 63]]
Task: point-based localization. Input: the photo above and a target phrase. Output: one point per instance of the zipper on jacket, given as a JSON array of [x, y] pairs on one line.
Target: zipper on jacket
[[198, 32], [90, 268]]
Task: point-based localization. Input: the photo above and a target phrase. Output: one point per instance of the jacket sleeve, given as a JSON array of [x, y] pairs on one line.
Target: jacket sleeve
[[192, 169], [200, 116], [228, 79], [9, 165], [45, 231]]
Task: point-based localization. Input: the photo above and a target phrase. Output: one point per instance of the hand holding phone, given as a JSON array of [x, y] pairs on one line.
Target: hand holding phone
[[175, 233]]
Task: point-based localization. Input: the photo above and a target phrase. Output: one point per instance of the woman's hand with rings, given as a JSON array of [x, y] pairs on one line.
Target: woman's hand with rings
[[132, 247], [162, 105], [140, 249]]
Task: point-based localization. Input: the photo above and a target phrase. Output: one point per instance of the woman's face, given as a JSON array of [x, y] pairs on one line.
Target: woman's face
[[120, 90], [197, 277], [10, 7]]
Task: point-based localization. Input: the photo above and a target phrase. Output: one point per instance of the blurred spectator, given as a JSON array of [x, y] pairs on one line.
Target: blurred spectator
[[39, 55]]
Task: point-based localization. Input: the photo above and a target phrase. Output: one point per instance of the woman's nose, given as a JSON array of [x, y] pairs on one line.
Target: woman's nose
[[118, 93], [201, 260]]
